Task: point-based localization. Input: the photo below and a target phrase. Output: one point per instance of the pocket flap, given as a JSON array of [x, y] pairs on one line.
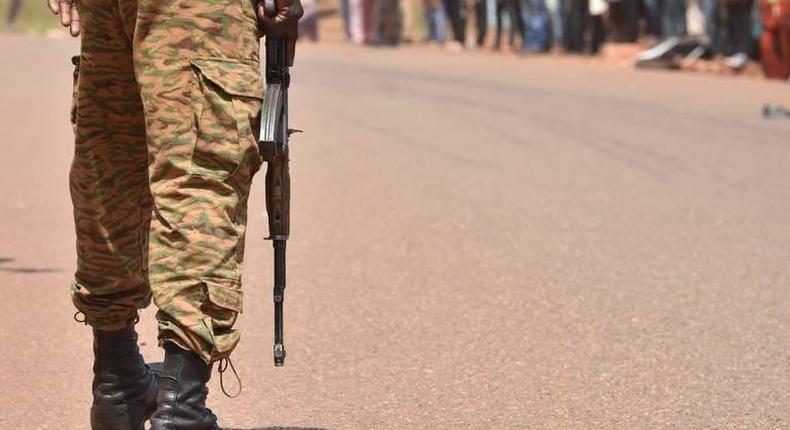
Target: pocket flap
[[223, 295], [234, 78]]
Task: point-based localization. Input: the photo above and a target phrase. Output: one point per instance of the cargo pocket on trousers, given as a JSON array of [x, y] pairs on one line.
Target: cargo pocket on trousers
[[226, 100], [222, 304]]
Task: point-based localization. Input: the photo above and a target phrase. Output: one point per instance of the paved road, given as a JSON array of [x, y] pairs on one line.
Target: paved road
[[479, 242]]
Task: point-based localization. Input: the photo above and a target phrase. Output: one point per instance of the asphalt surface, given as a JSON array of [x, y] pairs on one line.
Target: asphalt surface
[[479, 242]]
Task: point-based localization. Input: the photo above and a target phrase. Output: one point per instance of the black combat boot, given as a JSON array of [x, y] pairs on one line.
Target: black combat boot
[[181, 404], [124, 387]]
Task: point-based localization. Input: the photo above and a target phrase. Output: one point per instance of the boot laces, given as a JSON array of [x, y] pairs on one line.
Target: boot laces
[[224, 364]]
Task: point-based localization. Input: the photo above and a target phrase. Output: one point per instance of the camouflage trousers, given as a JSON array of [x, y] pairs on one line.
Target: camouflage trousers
[[166, 99]]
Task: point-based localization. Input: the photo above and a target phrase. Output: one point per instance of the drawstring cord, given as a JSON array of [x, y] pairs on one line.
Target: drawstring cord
[[80, 317], [222, 368]]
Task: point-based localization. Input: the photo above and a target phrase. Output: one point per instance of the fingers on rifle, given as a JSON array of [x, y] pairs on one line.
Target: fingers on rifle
[[266, 24], [298, 11], [74, 28], [260, 15], [265, 21], [260, 11], [53, 6], [65, 12]]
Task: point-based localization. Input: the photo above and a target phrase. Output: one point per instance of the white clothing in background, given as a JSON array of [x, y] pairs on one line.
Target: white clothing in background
[[598, 7], [695, 19], [356, 24]]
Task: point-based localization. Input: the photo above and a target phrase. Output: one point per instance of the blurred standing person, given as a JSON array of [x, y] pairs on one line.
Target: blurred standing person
[[481, 21], [344, 15], [408, 11], [654, 10], [597, 9], [536, 26], [456, 12], [308, 25], [370, 20], [387, 22], [585, 25], [501, 7], [673, 21], [356, 21], [554, 8], [775, 40], [13, 12], [436, 21], [739, 32], [515, 19], [712, 27], [624, 19], [575, 25]]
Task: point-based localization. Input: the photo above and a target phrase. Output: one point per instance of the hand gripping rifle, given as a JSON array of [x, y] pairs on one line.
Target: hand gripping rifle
[[273, 144]]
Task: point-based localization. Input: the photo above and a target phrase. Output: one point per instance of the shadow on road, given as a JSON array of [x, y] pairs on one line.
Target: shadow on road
[[279, 428], [28, 270], [25, 270]]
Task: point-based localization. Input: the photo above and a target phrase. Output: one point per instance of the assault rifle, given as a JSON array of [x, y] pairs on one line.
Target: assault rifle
[[273, 144]]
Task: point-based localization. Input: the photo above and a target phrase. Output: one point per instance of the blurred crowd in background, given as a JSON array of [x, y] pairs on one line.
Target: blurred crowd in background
[[734, 31]]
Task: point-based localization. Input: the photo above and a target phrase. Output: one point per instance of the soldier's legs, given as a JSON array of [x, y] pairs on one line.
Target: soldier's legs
[[112, 207], [197, 65], [108, 178]]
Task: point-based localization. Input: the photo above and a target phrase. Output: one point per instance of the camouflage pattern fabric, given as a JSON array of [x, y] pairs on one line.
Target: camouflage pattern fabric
[[166, 99]]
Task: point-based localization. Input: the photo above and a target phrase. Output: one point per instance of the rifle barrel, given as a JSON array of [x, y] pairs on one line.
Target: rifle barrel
[[279, 298]]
